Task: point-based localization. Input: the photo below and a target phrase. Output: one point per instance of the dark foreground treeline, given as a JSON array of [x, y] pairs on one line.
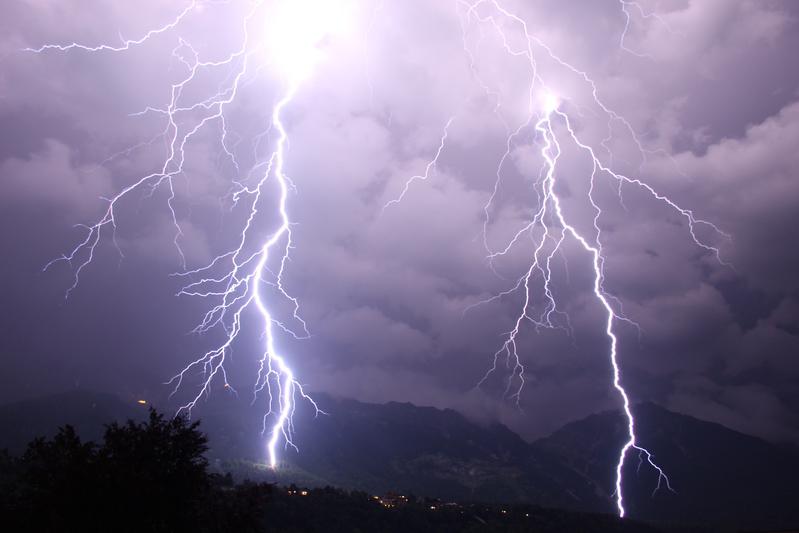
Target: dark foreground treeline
[[153, 477]]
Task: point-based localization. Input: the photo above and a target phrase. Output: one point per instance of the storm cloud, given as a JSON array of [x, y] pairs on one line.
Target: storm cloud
[[709, 87]]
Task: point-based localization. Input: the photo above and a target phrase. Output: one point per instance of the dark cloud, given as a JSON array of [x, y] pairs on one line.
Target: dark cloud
[[711, 94]]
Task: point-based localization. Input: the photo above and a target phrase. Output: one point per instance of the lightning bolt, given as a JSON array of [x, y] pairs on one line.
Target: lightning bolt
[[234, 281], [549, 226]]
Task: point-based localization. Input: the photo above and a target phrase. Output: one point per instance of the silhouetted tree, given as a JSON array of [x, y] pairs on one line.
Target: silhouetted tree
[[55, 482], [155, 470], [9, 483], [150, 476]]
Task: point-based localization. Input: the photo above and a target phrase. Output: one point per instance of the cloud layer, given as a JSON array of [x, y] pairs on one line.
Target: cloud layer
[[706, 85]]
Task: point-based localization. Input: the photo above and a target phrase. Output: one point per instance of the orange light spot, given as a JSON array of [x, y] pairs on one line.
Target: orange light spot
[[142, 402]]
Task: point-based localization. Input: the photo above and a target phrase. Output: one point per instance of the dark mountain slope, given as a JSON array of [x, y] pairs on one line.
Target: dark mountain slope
[[719, 475], [432, 452]]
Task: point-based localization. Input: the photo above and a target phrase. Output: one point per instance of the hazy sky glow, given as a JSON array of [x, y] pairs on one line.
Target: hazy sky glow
[[709, 86]]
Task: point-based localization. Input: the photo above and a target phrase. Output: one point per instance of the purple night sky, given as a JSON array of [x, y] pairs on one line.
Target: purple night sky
[[711, 88]]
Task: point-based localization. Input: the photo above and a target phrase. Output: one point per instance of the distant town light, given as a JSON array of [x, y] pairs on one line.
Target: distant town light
[[141, 402]]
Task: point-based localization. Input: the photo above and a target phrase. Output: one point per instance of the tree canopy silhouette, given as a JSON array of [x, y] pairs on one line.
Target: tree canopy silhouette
[[148, 476]]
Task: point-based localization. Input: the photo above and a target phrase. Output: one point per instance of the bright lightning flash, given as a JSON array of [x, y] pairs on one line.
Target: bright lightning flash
[[292, 36], [549, 226]]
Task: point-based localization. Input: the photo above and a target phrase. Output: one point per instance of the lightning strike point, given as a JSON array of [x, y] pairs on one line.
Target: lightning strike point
[[549, 102]]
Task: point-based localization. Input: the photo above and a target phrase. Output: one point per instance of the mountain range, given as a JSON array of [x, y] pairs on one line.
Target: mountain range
[[719, 477]]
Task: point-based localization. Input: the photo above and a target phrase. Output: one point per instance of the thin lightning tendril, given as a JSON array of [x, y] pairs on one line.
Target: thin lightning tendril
[[429, 167]]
